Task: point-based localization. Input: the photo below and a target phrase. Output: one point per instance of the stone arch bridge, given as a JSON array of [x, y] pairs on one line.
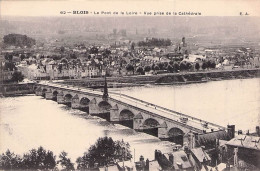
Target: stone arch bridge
[[134, 113]]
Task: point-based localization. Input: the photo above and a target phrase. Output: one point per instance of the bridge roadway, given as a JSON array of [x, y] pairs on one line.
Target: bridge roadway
[[193, 122]]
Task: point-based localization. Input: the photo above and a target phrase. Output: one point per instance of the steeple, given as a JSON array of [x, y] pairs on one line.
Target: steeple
[[105, 93]]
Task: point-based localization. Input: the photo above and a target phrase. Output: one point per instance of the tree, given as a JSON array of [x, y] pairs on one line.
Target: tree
[[156, 68], [155, 42], [183, 66], [9, 57], [161, 65], [39, 159], [18, 40], [204, 65], [65, 162], [9, 161], [169, 68], [17, 76], [22, 56], [9, 66], [188, 65], [197, 66], [140, 70], [106, 53], [147, 68], [130, 67], [176, 67], [213, 64], [105, 151], [93, 50]]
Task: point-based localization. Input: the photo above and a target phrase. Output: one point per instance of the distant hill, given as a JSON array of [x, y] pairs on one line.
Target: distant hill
[[233, 29], [18, 40]]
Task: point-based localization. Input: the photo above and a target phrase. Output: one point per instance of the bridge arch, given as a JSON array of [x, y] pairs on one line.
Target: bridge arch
[[150, 126], [68, 99], [150, 122], [44, 91], [84, 101], [176, 135], [126, 118], [104, 105], [55, 93], [126, 114]]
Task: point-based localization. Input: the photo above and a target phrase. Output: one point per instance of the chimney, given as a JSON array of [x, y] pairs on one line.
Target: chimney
[[171, 158], [247, 132], [231, 131], [141, 158], [191, 140], [156, 155], [257, 130], [147, 164]]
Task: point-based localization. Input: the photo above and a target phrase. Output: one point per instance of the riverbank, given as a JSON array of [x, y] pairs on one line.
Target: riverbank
[[139, 80], [16, 89], [169, 78]]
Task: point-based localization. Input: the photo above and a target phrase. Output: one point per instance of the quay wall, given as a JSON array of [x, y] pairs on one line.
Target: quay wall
[[16, 89], [169, 78]]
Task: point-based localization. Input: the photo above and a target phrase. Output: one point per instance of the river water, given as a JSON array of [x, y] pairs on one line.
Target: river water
[[27, 122], [222, 102]]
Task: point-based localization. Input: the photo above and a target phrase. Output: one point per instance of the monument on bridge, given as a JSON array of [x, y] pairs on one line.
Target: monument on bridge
[[105, 93]]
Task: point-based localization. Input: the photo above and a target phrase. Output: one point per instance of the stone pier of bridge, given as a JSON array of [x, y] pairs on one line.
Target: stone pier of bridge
[[117, 111]]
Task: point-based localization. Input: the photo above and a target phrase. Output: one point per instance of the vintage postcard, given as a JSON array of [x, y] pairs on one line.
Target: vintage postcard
[[129, 85]]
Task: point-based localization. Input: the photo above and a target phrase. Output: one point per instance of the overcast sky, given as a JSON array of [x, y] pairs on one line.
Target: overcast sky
[[205, 7]]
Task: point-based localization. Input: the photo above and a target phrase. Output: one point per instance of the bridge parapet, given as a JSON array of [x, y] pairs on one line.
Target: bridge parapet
[[131, 112]]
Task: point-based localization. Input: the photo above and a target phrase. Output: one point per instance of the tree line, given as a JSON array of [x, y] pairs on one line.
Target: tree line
[[155, 42], [19, 40], [170, 66], [104, 152]]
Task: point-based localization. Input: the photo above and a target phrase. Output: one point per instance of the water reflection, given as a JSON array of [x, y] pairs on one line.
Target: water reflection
[[30, 121]]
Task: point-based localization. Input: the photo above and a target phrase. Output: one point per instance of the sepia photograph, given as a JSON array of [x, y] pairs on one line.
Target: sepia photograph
[[145, 85]]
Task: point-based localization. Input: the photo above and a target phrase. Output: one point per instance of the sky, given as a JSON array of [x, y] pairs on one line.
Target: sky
[[54, 7]]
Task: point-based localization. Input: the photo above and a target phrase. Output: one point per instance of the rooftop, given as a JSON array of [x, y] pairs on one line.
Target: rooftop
[[245, 141]]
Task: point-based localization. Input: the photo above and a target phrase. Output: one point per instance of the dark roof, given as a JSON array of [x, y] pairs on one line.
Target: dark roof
[[208, 138], [246, 141], [200, 154], [181, 160]]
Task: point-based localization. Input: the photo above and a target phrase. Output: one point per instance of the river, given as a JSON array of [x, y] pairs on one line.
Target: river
[[28, 122], [222, 102]]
